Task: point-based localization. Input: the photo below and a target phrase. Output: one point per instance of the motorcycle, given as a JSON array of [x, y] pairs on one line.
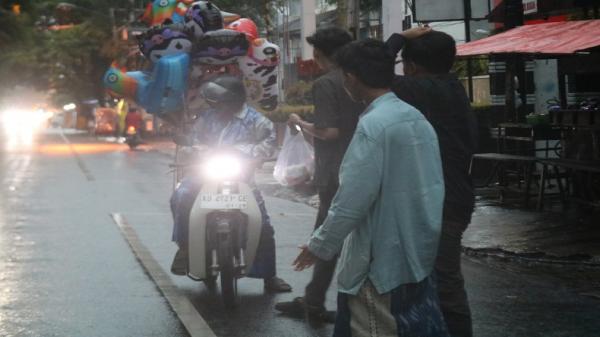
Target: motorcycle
[[225, 223], [132, 137]]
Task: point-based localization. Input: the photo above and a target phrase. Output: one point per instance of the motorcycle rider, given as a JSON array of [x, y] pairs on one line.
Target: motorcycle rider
[[133, 119], [229, 122]]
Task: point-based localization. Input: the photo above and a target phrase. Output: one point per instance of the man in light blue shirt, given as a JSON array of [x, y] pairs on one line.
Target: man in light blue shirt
[[387, 211]]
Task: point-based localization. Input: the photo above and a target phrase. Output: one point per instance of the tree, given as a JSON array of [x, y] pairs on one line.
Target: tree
[[70, 62], [479, 66], [260, 11], [342, 9]]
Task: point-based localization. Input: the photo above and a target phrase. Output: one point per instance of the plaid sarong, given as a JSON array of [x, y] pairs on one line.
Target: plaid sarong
[[411, 310]]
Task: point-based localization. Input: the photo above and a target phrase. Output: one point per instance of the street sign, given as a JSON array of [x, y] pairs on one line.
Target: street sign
[[530, 6]]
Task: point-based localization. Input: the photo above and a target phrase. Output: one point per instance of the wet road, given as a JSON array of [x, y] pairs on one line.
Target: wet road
[[66, 269]]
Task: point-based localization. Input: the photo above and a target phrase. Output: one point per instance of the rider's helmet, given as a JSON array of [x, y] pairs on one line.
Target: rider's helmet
[[224, 90]]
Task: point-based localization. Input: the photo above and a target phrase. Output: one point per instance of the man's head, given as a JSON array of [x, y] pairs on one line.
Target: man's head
[[226, 94], [326, 42], [367, 65], [432, 53]]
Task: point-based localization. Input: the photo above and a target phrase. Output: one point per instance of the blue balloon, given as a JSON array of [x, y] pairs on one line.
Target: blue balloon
[[166, 93], [161, 92]]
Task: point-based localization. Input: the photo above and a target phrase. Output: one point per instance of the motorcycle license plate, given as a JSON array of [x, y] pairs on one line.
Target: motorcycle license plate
[[223, 201]]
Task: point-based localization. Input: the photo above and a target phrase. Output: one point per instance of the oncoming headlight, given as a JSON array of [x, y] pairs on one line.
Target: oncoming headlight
[[222, 167]]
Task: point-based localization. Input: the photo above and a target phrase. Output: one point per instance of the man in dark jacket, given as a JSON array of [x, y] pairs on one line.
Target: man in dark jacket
[[335, 119], [427, 57]]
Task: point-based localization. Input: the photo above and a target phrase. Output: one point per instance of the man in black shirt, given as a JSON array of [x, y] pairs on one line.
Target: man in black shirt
[[427, 57], [335, 119]]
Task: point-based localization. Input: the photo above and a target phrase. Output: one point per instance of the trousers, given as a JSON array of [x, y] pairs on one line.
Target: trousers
[[323, 271], [450, 281]]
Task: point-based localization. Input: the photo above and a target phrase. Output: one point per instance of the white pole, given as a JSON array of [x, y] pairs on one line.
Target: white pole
[[392, 16], [309, 26]]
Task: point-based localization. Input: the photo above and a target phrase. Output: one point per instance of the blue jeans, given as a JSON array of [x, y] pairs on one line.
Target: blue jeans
[[182, 201]]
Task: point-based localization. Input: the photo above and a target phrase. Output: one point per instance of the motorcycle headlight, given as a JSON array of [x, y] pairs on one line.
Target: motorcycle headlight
[[222, 167]]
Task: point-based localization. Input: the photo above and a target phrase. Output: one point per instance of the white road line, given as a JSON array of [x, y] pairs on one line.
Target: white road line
[[88, 175], [184, 309]]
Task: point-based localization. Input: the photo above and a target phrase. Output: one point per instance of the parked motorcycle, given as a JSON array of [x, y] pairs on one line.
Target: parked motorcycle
[[225, 223]]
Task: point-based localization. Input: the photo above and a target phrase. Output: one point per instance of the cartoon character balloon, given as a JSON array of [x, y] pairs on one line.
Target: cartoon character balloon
[[162, 41], [165, 11], [203, 16], [128, 85], [260, 74], [161, 92], [221, 46]]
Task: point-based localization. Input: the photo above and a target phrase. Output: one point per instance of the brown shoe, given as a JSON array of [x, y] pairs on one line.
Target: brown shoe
[[180, 262]]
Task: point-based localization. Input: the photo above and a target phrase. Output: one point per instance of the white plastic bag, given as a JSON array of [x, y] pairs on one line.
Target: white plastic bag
[[296, 162]]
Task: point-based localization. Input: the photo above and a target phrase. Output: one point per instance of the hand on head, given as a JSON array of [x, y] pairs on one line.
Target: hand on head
[[416, 32]]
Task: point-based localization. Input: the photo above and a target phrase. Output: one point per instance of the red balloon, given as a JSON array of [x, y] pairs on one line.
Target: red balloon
[[245, 26]]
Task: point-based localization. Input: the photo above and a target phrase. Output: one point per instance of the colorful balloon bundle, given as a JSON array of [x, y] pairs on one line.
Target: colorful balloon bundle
[[189, 43]]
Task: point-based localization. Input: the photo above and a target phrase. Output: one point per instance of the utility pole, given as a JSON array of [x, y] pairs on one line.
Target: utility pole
[[309, 25], [468, 14], [356, 18], [513, 18]]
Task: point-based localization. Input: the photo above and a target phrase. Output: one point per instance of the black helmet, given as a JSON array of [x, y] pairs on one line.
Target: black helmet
[[224, 89]]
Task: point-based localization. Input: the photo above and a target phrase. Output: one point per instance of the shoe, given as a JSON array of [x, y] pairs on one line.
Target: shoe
[[320, 315], [294, 308], [180, 263], [298, 308], [277, 285]]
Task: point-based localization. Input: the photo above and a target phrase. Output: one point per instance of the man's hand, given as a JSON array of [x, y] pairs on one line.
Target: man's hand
[[294, 119], [305, 259], [416, 32]]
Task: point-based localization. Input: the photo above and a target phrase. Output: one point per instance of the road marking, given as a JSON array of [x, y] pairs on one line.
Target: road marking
[[88, 175], [184, 309]]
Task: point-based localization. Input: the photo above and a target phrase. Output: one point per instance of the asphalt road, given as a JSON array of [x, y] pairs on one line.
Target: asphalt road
[[67, 269]]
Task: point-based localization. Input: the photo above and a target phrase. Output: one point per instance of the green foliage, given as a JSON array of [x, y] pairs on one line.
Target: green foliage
[[298, 100], [300, 93], [282, 113], [479, 67], [69, 63], [365, 5], [260, 11]]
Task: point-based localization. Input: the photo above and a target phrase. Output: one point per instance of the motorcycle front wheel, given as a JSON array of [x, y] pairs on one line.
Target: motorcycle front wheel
[[227, 274]]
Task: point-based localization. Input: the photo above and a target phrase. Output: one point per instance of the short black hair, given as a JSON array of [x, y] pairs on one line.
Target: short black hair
[[329, 40], [370, 61], [434, 51]]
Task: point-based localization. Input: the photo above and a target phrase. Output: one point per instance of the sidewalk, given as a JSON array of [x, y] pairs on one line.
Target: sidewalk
[[551, 236]]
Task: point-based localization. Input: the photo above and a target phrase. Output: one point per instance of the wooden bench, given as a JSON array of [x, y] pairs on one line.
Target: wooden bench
[[501, 161], [571, 166]]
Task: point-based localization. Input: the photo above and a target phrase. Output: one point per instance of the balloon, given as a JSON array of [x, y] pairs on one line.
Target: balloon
[[229, 17], [245, 26], [162, 41], [162, 92], [222, 46], [167, 94], [122, 84], [165, 11], [203, 16], [260, 74]]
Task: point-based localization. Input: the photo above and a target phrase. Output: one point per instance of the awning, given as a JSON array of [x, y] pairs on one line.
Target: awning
[[557, 38]]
